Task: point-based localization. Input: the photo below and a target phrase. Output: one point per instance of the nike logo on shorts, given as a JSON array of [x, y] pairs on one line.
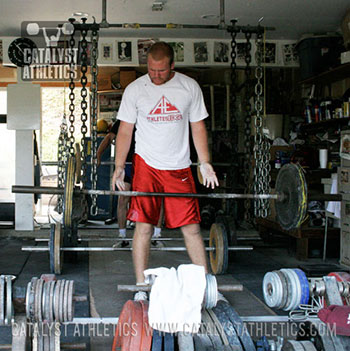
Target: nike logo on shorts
[[184, 179]]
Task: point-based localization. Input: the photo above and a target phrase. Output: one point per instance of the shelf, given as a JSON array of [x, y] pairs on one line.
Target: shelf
[[331, 76], [325, 124]]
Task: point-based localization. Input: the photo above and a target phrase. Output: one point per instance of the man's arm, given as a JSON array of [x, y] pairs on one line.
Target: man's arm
[[107, 140], [123, 142], [200, 140]]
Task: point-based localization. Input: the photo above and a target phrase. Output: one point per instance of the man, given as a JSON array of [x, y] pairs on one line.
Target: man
[[123, 201], [162, 105]]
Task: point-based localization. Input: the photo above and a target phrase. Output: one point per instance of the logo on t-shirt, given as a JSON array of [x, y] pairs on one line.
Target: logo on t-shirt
[[164, 111]]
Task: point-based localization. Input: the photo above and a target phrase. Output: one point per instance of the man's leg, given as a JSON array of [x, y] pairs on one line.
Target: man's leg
[[195, 245], [140, 249]]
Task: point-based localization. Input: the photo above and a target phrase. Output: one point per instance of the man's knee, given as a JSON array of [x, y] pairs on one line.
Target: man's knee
[[191, 229]]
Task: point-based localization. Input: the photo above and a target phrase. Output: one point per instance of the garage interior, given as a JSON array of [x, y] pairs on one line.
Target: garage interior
[[275, 77]]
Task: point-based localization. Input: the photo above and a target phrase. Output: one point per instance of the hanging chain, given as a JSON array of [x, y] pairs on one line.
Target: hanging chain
[[247, 125], [233, 85], [259, 136], [84, 104], [266, 166], [93, 116], [71, 94], [62, 155]]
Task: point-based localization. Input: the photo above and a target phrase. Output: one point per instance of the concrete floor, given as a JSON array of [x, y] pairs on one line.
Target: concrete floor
[[97, 275]]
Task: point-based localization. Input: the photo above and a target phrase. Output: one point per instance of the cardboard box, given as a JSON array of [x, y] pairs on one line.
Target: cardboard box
[[126, 77]]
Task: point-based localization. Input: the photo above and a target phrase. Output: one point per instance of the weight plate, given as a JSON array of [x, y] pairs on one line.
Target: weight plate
[[157, 341], [211, 291], [230, 227], [211, 330], [291, 184], [283, 280], [52, 248], [272, 289], [124, 331], [228, 327], [65, 300], [237, 323], [308, 345], [58, 253], [304, 283], [56, 300], [202, 342], [185, 342], [169, 341], [46, 301], [78, 162], [70, 301], [292, 345], [218, 326], [61, 299], [2, 299], [319, 332], [51, 315], [218, 240], [38, 300], [68, 192], [137, 326], [291, 296], [9, 306], [146, 341]]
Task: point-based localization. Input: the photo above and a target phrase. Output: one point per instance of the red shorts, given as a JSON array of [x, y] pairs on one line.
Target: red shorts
[[178, 211]]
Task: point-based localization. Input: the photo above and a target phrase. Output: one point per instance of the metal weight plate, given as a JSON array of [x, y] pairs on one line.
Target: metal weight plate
[[219, 257], [228, 327], [291, 184], [292, 345], [211, 330], [185, 342], [9, 305], [137, 326], [2, 299], [70, 301], [230, 227], [46, 301], [38, 300], [56, 298], [284, 289], [68, 192], [308, 345], [169, 341], [202, 342], [58, 253], [65, 301], [237, 323], [51, 317], [61, 299], [219, 327]]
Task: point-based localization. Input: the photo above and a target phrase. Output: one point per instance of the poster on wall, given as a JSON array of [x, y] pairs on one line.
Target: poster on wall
[[221, 51], [107, 51], [241, 51], [270, 53], [200, 50], [178, 48], [142, 46], [124, 51], [290, 54]]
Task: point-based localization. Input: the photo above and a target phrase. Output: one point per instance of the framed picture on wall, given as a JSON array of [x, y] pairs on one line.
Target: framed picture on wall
[[124, 51], [88, 52], [178, 48], [290, 54], [200, 51], [221, 51], [142, 46], [270, 53], [106, 51]]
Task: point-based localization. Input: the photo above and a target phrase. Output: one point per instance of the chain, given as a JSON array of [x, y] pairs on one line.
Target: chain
[[71, 94], [266, 166], [84, 104], [258, 139], [247, 125], [93, 116], [62, 154]]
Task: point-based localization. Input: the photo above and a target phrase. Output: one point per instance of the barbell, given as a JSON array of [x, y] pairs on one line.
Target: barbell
[[291, 195], [218, 248]]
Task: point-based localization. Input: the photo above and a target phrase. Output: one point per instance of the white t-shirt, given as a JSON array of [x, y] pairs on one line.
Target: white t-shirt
[[161, 114]]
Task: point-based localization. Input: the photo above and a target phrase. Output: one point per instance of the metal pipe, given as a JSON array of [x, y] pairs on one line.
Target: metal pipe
[[147, 288], [26, 189], [100, 249], [222, 24]]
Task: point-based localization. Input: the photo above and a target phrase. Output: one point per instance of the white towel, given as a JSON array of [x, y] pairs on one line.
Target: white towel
[[334, 206], [176, 298]]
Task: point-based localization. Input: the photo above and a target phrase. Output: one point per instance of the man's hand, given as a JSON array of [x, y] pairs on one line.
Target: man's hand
[[118, 178], [208, 174]]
